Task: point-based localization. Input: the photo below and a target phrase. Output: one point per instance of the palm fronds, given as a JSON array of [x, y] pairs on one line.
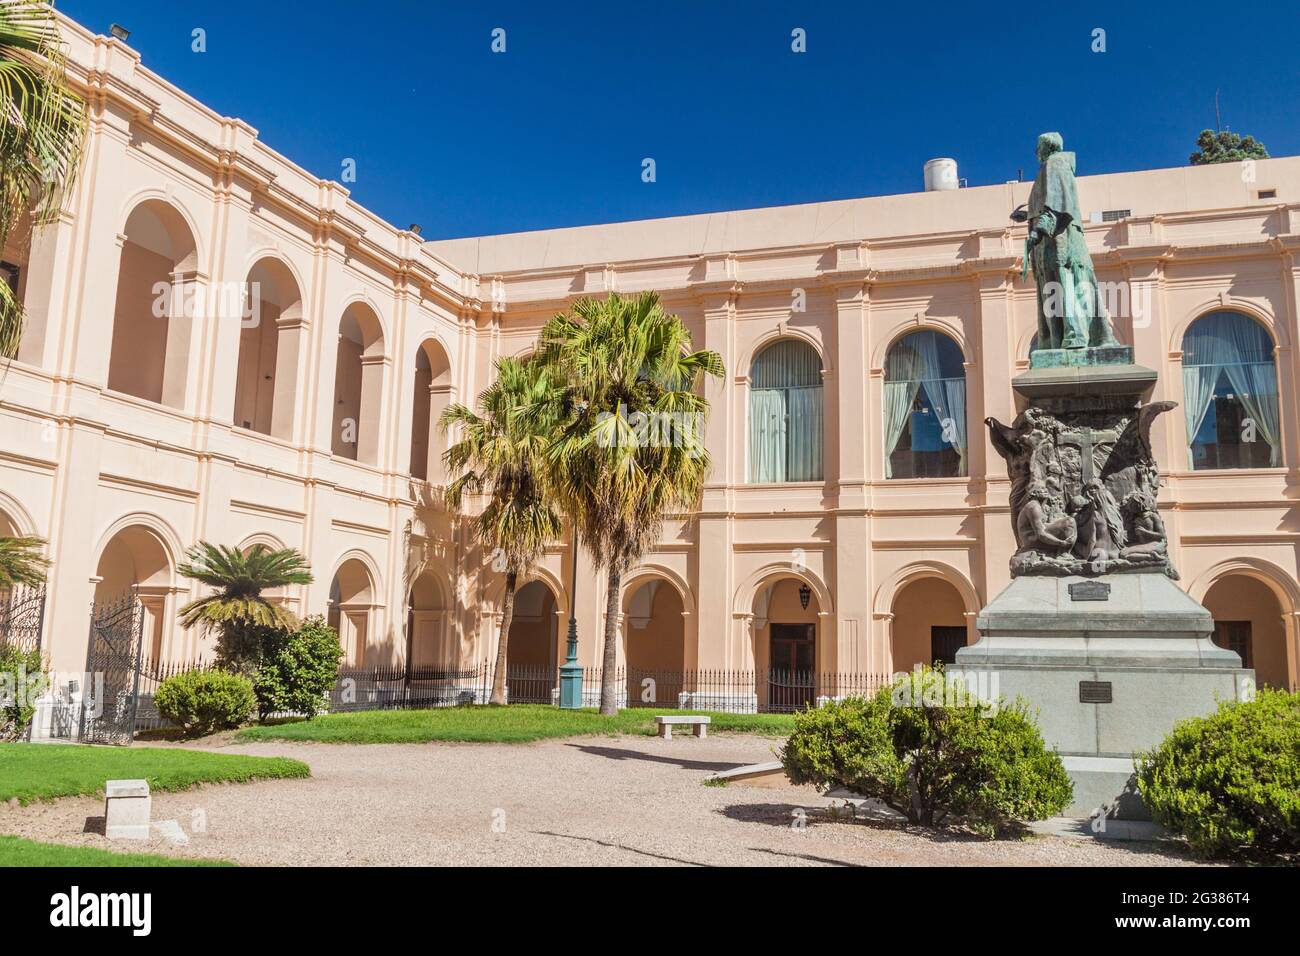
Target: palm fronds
[[22, 561], [239, 579], [42, 127]]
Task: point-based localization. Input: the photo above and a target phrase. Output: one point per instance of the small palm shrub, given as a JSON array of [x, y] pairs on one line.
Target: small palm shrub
[[21, 681], [200, 702], [298, 669], [933, 755], [1230, 782]]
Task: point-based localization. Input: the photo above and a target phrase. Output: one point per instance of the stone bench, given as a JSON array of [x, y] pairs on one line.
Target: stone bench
[[700, 725], [126, 809]]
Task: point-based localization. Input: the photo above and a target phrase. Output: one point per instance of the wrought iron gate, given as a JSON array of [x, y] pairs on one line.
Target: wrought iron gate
[[22, 616], [112, 672]]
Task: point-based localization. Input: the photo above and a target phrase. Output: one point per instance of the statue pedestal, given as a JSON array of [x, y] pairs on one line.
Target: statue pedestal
[[1110, 662]]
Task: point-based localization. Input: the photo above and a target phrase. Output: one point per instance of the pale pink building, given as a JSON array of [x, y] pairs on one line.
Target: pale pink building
[[865, 342]]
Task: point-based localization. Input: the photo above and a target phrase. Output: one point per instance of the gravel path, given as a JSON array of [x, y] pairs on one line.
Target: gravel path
[[583, 801]]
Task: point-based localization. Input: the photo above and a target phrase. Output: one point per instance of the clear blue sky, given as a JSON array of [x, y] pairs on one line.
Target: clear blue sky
[[553, 131]]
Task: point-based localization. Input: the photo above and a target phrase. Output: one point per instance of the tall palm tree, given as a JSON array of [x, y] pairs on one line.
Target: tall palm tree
[[237, 610], [42, 126], [633, 451], [21, 562], [502, 452]]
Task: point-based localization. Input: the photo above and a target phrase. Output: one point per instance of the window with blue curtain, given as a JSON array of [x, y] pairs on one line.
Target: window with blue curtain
[[1230, 397], [785, 413], [925, 408]]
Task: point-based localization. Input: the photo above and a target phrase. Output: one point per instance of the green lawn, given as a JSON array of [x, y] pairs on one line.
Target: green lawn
[[518, 723], [15, 851], [45, 771]]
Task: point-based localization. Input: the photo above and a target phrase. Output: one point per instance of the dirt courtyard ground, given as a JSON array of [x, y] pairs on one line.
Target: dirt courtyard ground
[[602, 801]]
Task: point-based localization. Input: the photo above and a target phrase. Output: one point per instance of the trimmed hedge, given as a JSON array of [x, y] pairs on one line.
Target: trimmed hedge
[[1230, 782], [935, 756], [201, 702]]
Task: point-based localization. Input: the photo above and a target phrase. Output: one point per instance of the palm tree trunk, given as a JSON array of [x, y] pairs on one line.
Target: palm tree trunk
[[608, 683], [507, 612]]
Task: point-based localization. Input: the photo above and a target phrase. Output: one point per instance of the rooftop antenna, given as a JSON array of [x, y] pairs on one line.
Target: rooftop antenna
[[1218, 123]]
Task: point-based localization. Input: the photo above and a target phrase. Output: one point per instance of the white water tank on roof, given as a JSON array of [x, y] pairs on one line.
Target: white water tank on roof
[[941, 174]]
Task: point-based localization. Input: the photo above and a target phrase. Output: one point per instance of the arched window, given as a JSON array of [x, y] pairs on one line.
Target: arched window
[[1230, 393], [925, 408], [785, 414]]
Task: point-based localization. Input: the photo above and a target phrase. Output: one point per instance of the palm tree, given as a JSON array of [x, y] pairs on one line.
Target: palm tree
[[633, 452], [237, 609], [21, 562], [502, 452], [42, 122]]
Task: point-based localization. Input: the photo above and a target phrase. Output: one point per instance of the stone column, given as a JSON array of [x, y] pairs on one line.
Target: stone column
[[371, 424], [188, 307]]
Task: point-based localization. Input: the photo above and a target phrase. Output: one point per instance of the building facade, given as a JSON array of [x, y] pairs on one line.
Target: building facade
[[856, 517]]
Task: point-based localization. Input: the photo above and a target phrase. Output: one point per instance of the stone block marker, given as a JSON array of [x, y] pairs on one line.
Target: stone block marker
[[127, 804], [698, 724]]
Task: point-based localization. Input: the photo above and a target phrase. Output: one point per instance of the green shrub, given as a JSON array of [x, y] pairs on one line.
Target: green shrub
[[1230, 782], [21, 681], [298, 669], [203, 701], [935, 756]]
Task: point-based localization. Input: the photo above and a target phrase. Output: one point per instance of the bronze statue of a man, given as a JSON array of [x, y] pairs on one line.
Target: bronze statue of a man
[[1071, 313]]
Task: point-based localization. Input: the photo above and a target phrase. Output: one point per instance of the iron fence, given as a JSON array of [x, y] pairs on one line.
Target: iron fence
[[153, 673], [426, 687]]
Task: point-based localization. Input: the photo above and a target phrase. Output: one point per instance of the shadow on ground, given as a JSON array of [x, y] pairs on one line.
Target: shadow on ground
[[616, 753]]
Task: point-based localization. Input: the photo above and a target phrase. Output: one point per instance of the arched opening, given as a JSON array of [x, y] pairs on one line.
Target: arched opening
[[426, 625], [929, 624], [654, 643], [1248, 620], [432, 395], [350, 606], [1230, 393], [358, 385], [925, 407], [157, 300], [785, 413], [136, 559], [270, 332], [785, 644], [8, 529], [533, 645]]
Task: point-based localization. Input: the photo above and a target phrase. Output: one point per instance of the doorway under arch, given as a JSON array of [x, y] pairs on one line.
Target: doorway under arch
[[533, 646], [137, 560], [786, 638], [1248, 620], [929, 624], [350, 606], [654, 643]]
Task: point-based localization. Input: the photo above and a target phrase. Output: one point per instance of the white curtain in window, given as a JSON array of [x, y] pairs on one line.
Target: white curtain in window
[[953, 408], [898, 404], [767, 435], [1240, 347], [1198, 392], [785, 414], [804, 434]]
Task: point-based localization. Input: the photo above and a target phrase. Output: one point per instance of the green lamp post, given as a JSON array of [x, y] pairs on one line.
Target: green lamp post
[[571, 670]]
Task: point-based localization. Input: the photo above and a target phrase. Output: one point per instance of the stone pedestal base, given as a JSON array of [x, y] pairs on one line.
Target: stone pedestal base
[[1110, 663]]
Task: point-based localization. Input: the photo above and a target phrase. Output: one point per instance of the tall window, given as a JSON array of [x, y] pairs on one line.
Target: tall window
[[925, 408], [785, 414], [1230, 393]]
